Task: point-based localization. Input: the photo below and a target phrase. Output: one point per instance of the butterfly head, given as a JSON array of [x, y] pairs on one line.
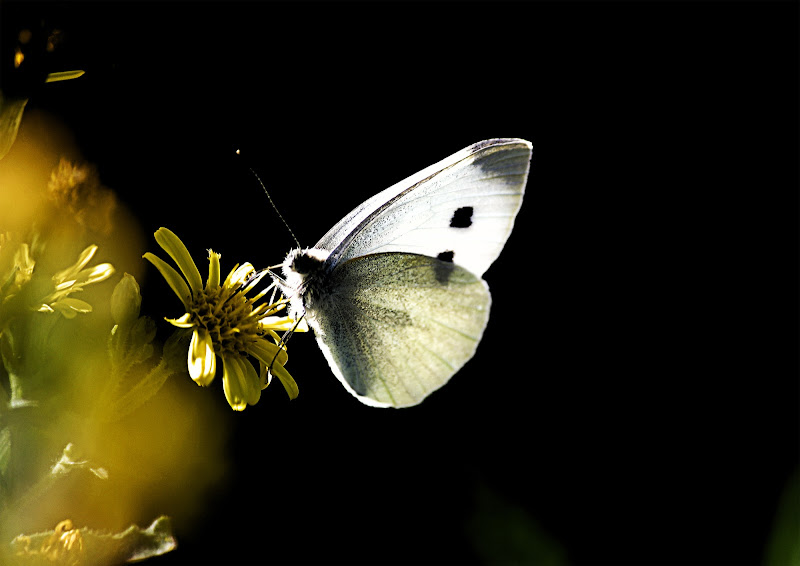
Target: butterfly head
[[300, 267]]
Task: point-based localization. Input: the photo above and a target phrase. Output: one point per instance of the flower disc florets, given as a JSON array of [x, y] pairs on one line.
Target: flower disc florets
[[228, 321]]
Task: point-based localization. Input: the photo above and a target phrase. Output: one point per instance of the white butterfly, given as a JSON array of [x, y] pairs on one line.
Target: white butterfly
[[394, 291]]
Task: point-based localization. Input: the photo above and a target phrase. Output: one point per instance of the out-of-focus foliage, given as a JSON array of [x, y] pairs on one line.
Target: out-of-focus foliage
[[72, 546], [503, 532], [25, 59], [784, 546], [94, 436], [10, 117]]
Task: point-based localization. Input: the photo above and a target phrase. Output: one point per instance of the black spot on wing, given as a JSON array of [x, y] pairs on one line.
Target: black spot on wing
[[446, 256], [462, 217], [444, 267]]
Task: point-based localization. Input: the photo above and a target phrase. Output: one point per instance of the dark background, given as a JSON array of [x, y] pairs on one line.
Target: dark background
[[634, 399]]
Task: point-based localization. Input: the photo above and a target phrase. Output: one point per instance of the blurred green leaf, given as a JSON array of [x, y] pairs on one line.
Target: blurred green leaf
[[5, 457], [10, 118], [175, 350], [155, 540], [783, 548], [140, 392], [11, 110], [68, 545], [503, 532], [130, 345]]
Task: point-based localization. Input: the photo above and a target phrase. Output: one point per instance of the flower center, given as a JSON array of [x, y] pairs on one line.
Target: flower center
[[226, 318]]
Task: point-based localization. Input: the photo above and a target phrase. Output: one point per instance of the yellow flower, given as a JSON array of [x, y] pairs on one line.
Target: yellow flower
[[225, 322], [17, 268], [73, 279], [16, 265]]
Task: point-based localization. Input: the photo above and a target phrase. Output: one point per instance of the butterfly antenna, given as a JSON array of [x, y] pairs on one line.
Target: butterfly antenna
[[278, 212]]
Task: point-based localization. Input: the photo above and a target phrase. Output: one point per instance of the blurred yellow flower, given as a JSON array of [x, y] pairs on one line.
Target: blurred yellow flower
[[73, 279], [17, 267], [63, 546], [76, 189], [225, 322]]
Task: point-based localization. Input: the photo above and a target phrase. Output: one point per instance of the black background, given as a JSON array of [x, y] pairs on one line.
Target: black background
[[635, 394]]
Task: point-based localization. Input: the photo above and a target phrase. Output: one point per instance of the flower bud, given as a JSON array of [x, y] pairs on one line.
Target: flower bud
[[126, 301]]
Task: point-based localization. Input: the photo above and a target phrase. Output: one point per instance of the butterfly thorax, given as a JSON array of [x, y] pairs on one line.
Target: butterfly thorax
[[303, 272]]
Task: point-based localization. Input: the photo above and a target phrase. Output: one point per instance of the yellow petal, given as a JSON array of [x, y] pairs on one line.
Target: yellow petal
[[94, 274], [254, 281], [173, 245], [265, 351], [287, 380], [72, 271], [70, 306], [202, 361], [240, 382], [266, 290], [238, 275], [265, 309], [24, 264], [63, 76], [253, 382], [283, 323], [65, 284], [172, 277], [183, 322], [213, 270]]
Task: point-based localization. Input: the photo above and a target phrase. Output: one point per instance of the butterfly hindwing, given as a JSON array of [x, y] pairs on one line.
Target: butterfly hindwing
[[461, 209], [394, 327]]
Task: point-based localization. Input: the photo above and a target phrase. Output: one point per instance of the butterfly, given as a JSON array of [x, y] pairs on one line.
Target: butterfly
[[394, 290]]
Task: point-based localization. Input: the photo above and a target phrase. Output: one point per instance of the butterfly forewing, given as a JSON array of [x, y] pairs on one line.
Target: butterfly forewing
[[462, 208], [395, 327]]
